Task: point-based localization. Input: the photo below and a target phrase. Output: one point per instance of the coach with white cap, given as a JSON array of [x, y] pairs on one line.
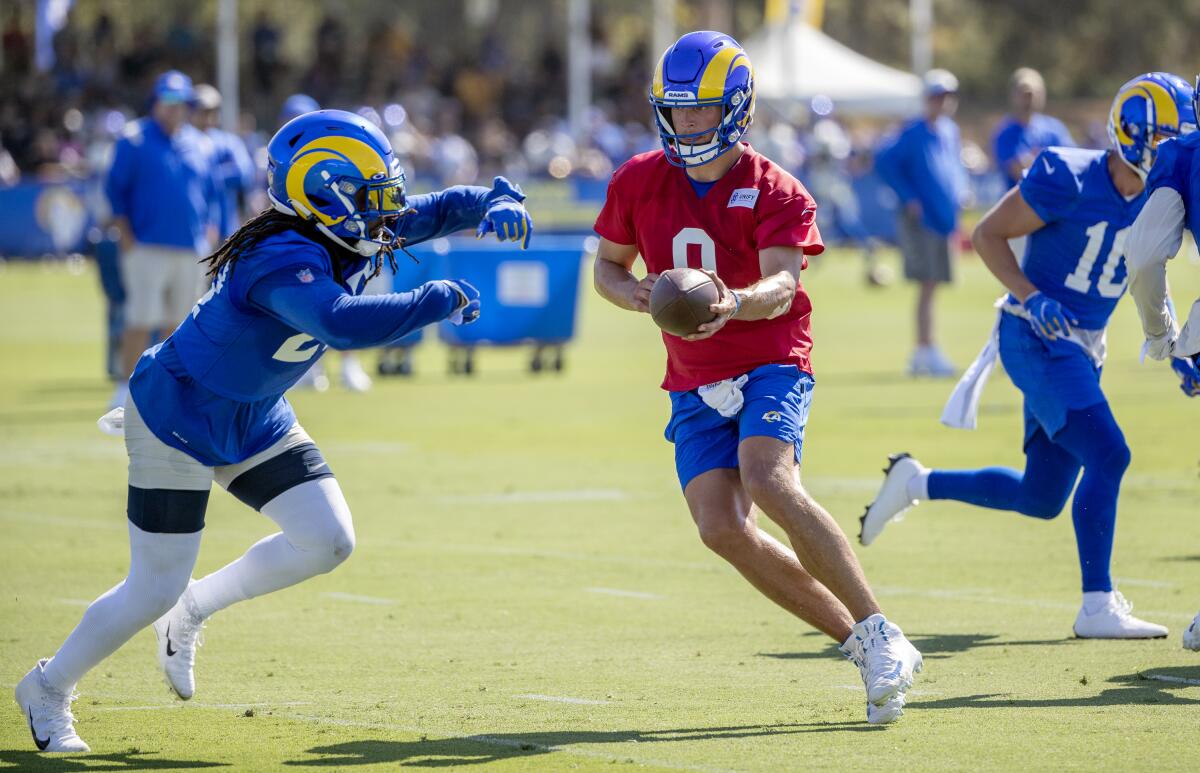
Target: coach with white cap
[[165, 204], [923, 165]]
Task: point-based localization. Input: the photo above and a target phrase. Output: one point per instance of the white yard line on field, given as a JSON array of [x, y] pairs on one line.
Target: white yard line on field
[[562, 699], [1173, 679], [509, 743], [628, 594], [338, 596], [534, 497], [189, 705]]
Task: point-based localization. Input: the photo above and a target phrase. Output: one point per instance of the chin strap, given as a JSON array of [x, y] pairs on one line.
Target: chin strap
[[296, 209]]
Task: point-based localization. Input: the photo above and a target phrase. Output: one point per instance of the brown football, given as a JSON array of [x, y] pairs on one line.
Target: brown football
[[680, 300]]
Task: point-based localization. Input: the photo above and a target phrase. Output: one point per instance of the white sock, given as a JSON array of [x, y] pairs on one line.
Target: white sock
[[918, 486], [317, 536], [1094, 601], [160, 566]]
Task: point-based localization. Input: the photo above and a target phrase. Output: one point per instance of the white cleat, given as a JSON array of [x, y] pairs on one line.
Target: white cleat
[[876, 715], [887, 713], [886, 662], [1191, 637], [893, 499], [1115, 620], [890, 659], [48, 712], [354, 377], [178, 635]]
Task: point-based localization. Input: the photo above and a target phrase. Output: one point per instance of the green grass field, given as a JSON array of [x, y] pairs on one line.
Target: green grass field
[[528, 591]]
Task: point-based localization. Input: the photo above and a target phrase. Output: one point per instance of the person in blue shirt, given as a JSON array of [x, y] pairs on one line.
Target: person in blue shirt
[[232, 166], [923, 165], [164, 199], [207, 403], [1172, 206], [1076, 206], [1026, 131]]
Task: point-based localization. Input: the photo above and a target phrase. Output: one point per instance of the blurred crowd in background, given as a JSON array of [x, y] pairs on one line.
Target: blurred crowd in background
[[452, 120], [455, 114]]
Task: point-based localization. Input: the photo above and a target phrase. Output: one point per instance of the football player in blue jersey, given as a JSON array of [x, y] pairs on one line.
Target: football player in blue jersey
[[207, 404], [1172, 205], [1076, 207]]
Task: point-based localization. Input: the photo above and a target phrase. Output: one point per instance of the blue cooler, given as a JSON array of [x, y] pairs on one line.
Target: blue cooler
[[528, 296]]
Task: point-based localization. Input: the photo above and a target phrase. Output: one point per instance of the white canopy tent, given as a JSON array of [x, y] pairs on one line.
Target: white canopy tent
[[794, 62]]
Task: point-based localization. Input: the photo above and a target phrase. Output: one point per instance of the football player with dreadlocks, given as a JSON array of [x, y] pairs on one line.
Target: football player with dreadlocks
[[207, 403]]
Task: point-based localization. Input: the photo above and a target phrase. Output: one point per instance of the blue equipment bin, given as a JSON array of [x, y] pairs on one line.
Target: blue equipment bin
[[527, 296]]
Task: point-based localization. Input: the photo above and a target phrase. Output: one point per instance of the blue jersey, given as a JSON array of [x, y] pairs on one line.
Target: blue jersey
[[1014, 139], [164, 185], [214, 389], [1077, 257], [923, 163]]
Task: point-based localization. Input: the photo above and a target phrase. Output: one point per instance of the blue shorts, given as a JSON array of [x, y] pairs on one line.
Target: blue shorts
[[1056, 377], [777, 399]]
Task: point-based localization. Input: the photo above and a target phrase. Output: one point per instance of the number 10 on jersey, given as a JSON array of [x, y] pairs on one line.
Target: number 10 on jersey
[[1080, 280]]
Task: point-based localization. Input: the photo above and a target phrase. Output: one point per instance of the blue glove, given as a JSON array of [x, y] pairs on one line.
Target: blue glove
[[1188, 373], [505, 215], [1050, 319], [467, 309]]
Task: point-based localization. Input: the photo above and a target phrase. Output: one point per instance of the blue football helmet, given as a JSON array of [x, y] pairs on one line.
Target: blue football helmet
[[336, 170], [701, 69], [1147, 110]]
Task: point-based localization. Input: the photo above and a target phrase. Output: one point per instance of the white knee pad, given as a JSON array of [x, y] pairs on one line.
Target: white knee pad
[[316, 520]]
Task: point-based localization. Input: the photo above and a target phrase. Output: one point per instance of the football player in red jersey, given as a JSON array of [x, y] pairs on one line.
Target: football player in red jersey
[[741, 386]]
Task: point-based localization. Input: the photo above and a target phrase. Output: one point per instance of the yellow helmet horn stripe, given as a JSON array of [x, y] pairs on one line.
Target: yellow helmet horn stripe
[[366, 161], [656, 86], [1166, 111], [712, 83]]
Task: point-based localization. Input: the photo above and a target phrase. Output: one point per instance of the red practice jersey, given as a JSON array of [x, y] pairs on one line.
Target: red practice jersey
[[754, 206]]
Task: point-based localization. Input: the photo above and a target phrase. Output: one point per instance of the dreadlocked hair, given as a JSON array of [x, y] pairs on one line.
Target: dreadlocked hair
[[270, 222]]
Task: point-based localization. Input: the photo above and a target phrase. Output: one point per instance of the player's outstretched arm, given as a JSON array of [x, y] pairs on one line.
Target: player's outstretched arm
[[1154, 239], [614, 279], [498, 209], [320, 307]]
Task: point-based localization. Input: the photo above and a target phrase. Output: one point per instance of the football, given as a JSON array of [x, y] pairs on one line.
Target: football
[[680, 300]]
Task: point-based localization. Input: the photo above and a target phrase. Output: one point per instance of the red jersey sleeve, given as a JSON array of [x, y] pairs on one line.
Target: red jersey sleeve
[[615, 221], [788, 218]]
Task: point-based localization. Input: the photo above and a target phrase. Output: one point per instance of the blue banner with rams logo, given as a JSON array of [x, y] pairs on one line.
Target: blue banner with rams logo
[[47, 218]]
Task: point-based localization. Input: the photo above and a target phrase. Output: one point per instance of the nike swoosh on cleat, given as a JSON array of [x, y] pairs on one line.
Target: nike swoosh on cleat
[[41, 745], [170, 652]]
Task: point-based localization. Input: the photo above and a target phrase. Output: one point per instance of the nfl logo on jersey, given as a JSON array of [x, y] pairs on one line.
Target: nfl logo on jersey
[[305, 275]]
